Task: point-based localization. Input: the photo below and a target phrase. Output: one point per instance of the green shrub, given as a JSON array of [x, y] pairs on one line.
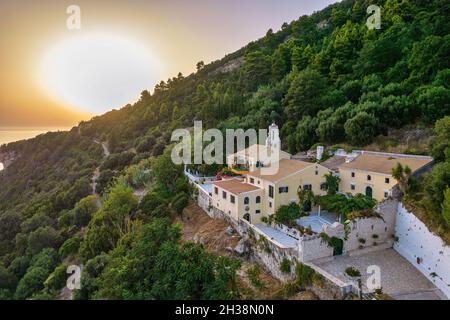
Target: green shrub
[[318, 280], [182, 185], [5, 294], [160, 212], [7, 279], [20, 265], [361, 129], [45, 259], [446, 207], [149, 202], [332, 183], [32, 282], [286, 291], [435, 183], [304, 274], [89, 277], [84, 210], [44, 295], [36, 221], [180, 201], [57, 279], [349, 207], [287, 214], [378, 291], [285, 266], [70, 246], [40, 268], [253, 275], [43, 237], [352, 272]]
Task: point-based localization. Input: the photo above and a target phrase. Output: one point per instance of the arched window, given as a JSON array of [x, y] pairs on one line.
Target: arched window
[[246, 200], [258, 199], [247, 217]]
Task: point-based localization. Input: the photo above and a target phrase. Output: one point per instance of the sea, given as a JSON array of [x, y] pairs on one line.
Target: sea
[[12, 134]]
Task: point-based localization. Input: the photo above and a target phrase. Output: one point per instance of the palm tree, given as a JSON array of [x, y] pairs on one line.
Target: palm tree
[[403, 176], [332, 183]]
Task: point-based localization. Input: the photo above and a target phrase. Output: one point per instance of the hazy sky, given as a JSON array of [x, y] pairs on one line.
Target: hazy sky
[[52, 76]]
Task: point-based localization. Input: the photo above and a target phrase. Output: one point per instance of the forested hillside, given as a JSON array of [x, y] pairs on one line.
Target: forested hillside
[[323, 78], [320, 77]]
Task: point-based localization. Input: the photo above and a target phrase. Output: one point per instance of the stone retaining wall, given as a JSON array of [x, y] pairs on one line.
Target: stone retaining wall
[[330, 288], [268, 251]]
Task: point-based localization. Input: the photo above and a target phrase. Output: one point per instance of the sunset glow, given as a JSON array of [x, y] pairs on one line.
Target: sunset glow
[[53, 76], [98, 71]]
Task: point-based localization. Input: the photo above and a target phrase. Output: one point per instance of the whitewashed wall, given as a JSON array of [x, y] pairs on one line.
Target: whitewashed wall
[[203, 200], [415, 242], [374, 231], [313, 247]]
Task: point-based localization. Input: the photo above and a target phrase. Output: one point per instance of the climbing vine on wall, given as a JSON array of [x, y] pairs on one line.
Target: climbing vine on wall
[[332, 242], [347, 230]]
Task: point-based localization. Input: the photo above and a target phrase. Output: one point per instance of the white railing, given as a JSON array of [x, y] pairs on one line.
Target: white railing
[[291, 232], [195, 178]]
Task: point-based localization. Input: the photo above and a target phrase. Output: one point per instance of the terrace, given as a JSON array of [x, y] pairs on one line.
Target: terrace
[[276, 235], [315, 221], [290, 237], [195, 177], [206, 187]]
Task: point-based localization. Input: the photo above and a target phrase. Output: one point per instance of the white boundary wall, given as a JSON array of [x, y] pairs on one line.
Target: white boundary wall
[[417, 244]]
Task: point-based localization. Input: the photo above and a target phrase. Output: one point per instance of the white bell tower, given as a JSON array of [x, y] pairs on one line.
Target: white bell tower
[[273, 141]]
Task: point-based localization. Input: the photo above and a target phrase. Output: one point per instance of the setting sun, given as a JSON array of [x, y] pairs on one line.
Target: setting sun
[[96, 72]]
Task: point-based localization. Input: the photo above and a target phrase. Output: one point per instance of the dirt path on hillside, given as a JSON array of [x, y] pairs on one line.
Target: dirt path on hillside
[[96, 174], [106, 151], [66, 293]]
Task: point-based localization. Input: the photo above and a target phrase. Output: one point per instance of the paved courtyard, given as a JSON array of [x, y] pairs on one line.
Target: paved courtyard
[[398, 277]]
